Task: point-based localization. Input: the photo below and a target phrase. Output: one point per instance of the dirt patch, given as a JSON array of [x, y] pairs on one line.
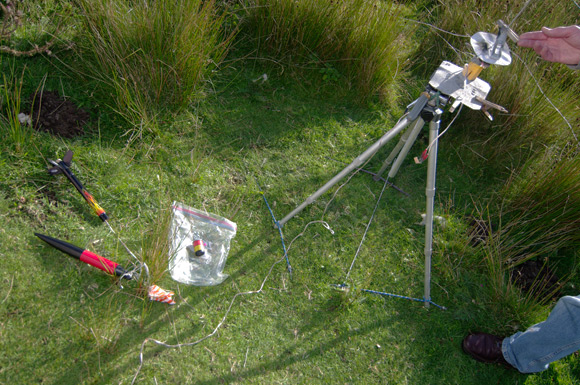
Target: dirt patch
[[479, 231], [537, 278], [56, 115]]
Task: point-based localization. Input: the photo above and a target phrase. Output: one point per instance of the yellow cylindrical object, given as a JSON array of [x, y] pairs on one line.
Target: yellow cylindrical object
[[472, 71]]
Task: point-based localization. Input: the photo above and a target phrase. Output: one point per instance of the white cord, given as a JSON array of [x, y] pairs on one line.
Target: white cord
[[172, 346], [140, 265], [445, 130], [547, 98], [521, 11]]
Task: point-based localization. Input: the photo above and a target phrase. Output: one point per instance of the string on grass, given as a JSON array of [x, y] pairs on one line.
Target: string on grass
[[344, 286], [385, 184], [428, 300], [173, 346], [403, 297], [367, 229], [520, 12], [325, 224], [139, 264], [233, 300]]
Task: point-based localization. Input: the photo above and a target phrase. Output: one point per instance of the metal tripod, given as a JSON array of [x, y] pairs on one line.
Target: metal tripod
[[447, 82]]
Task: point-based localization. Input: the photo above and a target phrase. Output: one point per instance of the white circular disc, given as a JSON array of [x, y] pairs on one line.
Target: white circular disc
[[482, 43]]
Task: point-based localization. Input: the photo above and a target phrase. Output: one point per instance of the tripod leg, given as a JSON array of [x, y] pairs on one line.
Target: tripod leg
[[395, 152], [405, 150], [357, 162], [430, 193], [418, 106]]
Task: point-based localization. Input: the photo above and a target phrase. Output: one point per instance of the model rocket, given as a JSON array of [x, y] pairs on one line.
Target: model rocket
[[62, 166], [86, 256]]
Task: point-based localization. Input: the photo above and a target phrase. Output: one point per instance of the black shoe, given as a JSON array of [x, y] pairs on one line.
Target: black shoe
[[485, 347]]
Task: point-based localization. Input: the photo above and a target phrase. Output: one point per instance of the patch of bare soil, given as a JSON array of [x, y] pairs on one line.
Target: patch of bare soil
[[479, 232], [537, 278], [56, 115]]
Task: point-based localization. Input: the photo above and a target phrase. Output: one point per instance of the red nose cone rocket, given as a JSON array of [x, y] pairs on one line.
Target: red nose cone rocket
[[86, 256]]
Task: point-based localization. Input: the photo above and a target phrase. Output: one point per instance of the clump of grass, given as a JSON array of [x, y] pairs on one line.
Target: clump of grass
[[363, 40], [156, 56], [503, 296], [537, 220], [156, 246], [542, 205], [18, 134]]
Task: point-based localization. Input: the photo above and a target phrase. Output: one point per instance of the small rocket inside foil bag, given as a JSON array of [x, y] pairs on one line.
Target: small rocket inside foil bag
[[200, 243]]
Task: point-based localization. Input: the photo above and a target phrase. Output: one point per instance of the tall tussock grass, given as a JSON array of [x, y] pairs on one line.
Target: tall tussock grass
[[537, 219], [153, 55], [13, 131], [365, 40], [543, 206], [506, 298], [156, 245]]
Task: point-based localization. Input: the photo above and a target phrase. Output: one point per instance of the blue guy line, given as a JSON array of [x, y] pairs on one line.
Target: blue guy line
[[404, 297], [395, 296], [279, 229]]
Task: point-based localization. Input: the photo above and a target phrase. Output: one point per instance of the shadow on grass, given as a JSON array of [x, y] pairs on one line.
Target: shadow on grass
[[289, 356], [85, 361], [421, 328]]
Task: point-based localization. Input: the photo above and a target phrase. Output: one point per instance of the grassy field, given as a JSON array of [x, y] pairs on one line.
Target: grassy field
[[258, 124]]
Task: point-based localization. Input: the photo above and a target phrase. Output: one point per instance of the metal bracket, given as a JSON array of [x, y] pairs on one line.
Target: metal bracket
[[449, 80], [493, 49]]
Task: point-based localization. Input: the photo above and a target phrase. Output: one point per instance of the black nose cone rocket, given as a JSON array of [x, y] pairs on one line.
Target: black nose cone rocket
[[86, 256]]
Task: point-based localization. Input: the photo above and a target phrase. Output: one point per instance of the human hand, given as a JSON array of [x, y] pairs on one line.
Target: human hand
[[560, 45]]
